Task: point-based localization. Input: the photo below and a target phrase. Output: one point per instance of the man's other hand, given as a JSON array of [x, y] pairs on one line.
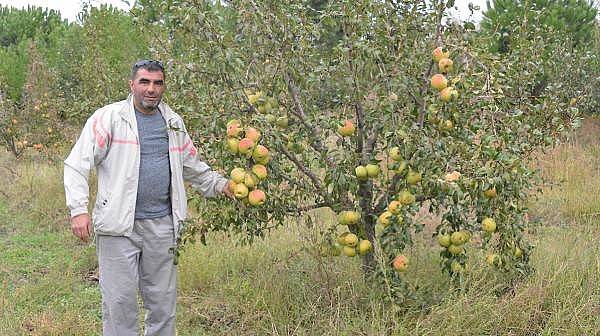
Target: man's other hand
[[81, 226], [227, 191]]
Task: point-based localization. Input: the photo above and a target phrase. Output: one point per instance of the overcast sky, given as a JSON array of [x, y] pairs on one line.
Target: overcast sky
[[67, 8], [70, 8]]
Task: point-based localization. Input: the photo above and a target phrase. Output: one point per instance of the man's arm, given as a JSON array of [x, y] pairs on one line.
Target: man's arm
[[89, 150], [202, 177]]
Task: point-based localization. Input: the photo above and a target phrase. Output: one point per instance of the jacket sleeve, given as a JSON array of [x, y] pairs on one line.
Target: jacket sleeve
[[202, 177], [89, 151]]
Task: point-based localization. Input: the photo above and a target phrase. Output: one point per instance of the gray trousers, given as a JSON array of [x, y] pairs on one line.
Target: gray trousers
[[141, 261]]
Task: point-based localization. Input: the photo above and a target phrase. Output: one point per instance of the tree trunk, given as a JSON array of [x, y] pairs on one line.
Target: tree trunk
[[366, 194], [368, 261]]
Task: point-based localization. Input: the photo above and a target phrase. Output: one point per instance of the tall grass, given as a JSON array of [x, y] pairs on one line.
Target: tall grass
[[44, 272], [571, 172], [282, 286]]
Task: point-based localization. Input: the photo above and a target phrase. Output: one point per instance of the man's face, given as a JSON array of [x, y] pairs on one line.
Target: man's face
[[147, 88]]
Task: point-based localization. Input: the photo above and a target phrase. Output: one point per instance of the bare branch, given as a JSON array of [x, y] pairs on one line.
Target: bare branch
[[292, 181], [309, 173], [315, 131], [308, 207], [369, 146], [360, 120]]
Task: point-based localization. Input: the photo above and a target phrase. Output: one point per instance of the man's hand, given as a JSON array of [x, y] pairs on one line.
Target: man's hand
[[227, 191], [81, 226]]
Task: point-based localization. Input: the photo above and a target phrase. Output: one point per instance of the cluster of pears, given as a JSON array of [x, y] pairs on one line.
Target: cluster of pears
[[265, 104], [244, 182], [393, 208], [454, 242], [488, 225], [261, 102], [439, 81], [399, 165], [363, 173], [349, 243], [405, 197], [494, 259]]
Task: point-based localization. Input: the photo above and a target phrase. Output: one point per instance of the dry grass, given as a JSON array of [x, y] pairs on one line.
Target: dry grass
[[571, 172]]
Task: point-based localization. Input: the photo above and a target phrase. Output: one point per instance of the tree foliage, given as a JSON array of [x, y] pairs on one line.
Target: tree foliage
[[17, 25], [18, 28], [55, 74], [567, 25], [569, 21]]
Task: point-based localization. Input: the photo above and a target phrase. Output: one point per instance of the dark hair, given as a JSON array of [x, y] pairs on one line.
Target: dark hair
[[150, 65]]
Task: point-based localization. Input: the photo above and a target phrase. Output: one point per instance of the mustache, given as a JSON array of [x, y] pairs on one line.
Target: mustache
[[150, 103]]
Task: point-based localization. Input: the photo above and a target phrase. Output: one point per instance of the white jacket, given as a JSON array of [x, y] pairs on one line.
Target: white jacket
[[109, 141]]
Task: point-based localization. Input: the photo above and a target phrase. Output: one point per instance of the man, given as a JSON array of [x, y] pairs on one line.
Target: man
[[142, 154]]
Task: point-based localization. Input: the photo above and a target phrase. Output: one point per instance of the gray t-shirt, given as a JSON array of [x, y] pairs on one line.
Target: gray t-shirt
[[153, 194]]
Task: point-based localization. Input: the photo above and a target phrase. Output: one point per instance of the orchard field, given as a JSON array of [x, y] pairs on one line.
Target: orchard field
[[397, 172], [278, 286]]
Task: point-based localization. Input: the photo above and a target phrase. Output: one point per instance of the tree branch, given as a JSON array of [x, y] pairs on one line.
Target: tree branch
[[360, 120], [370, 146], [316, 132], [309, 173]]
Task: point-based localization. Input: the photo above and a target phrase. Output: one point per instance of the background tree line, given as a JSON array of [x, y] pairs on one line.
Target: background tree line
[[81, 66]]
